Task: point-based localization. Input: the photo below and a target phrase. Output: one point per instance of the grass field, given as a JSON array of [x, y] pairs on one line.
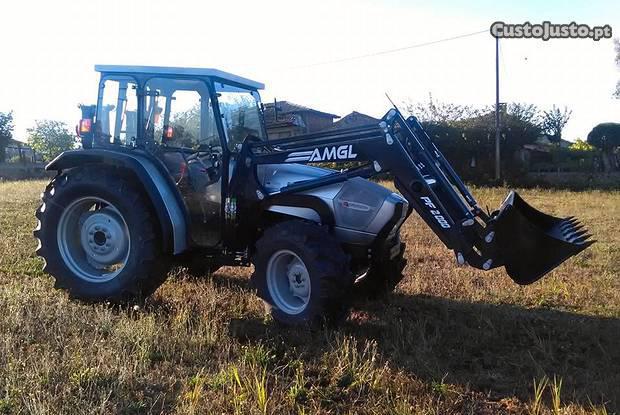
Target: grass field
[[450, 340]]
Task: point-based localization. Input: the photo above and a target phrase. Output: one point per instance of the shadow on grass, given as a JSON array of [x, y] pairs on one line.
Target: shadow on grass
[[496, 349]]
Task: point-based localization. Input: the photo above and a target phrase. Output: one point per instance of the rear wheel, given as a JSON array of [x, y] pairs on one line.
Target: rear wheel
[[97, 236], [302, 273]]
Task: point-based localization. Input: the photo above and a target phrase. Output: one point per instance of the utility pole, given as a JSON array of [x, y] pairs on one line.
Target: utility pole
[[497, 163]]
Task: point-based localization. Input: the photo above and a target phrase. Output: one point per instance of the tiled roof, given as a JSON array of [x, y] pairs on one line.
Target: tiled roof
[[354, 119], [286, 108], [16, 143], [284, 120]]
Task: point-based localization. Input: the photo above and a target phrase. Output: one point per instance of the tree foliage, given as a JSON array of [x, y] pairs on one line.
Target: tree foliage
[[581, 145], [438, 112], [187, 129], [50, 138], [554, 120], [617, 48], [188, 120], [528, 113], [6, 132], [606, 137], [466, 135]]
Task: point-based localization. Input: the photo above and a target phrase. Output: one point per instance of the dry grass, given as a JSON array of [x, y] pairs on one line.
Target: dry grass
[[450, 340]]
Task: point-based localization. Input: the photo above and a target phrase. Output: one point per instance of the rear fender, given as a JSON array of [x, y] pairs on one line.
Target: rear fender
[[153, 178]]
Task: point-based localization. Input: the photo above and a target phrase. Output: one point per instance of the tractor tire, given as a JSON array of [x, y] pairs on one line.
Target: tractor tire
[[382, 277], [302, 274], [98, 236]]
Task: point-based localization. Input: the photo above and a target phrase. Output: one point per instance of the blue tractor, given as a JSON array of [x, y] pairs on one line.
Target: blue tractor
[[176, 167]]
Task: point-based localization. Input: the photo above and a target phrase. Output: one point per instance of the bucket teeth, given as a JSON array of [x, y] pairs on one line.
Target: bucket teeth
[[578, 228], [576, 235], [572, 230], [583, 240], [567, 223]]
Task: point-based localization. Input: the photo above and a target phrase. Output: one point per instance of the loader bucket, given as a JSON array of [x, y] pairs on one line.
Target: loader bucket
[[532, 243]]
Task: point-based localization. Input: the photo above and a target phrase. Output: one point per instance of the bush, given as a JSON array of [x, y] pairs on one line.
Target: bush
[[50, 138], [606, 137]]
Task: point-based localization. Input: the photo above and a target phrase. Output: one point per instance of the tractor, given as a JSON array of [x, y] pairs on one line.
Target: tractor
[[176, 167]]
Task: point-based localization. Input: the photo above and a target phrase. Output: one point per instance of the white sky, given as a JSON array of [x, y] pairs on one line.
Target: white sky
[[49, 49]]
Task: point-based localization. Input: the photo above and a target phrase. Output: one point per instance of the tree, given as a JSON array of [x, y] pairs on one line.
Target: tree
[[479, 137], [466, 134], [6, 132], [606, 137], [617, 48], [50, 138], [189, 120], [581, 145], [438, 112], [528, 113], [554, 121]]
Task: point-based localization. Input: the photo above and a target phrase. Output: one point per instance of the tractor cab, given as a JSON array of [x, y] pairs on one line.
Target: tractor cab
[[193, 120], [174, 107]]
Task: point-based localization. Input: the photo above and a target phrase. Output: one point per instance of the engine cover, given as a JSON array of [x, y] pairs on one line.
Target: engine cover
[[361, 209]]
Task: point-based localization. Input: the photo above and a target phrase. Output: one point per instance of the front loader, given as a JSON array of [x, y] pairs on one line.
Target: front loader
[[176, 166]]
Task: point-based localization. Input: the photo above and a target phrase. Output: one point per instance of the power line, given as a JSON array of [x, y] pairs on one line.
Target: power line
[[385, 52]]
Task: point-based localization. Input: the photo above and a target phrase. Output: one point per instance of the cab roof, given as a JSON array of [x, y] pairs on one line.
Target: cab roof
[[167, 70]]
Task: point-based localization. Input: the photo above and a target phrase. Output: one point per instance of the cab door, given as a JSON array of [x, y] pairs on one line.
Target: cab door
[[180, 123]]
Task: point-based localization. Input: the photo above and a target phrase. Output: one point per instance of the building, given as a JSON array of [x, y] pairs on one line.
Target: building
[[354, 119], [286, 119], [18, 151]]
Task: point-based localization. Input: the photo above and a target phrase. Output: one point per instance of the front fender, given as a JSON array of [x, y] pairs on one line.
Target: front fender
[[153, 178], [302, 206]]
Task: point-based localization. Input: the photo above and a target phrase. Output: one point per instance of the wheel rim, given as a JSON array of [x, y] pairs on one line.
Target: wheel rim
[[288, 282], [93, 239]]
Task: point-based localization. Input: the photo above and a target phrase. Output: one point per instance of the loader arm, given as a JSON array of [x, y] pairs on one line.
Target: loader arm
[[527, 242]]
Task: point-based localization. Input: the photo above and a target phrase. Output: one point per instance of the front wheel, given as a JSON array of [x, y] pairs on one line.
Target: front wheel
[[97, 236], [302, 273]]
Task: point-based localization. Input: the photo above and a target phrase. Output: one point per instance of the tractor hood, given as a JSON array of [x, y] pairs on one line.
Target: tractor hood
[[361, 209], [276, 176]]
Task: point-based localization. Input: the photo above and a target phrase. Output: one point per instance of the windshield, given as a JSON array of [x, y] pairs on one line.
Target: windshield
[[240, 114]]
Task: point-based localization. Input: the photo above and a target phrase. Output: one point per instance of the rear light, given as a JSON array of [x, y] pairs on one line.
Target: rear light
[[85, 125], [169, 133]]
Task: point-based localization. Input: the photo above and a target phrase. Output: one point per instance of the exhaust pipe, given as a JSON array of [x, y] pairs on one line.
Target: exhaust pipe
[[531, 243]]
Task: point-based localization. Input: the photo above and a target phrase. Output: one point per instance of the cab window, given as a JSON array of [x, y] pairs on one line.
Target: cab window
[[117, 112], [178, 113], [240, 114]]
